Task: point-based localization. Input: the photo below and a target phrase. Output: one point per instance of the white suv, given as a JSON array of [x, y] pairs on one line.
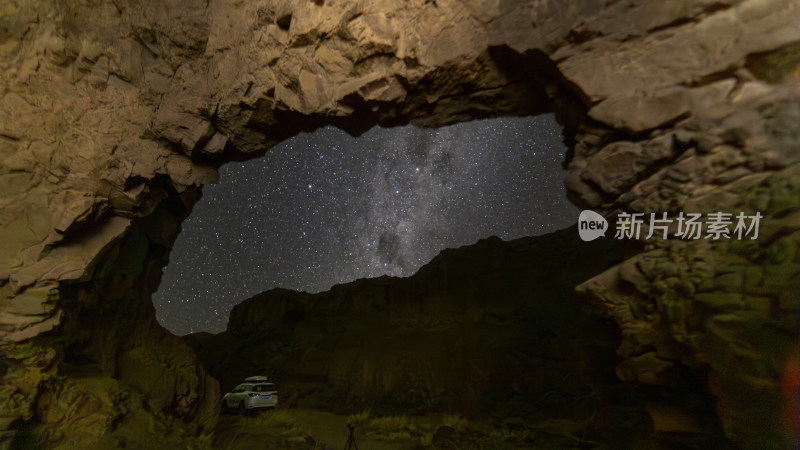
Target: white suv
[[254, 393]]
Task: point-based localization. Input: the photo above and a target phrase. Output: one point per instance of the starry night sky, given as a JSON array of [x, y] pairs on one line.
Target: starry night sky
[[327, 208]]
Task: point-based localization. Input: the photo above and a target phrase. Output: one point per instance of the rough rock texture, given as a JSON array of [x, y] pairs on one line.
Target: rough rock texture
[[113, 112]]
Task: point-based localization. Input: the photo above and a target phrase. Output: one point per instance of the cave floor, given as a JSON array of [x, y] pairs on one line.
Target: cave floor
[[302, 428], [298, 428]]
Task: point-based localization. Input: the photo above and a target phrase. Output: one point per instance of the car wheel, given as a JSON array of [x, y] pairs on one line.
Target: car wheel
[[242, 411]]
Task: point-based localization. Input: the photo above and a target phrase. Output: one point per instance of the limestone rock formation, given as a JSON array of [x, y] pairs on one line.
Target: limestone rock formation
[[114, 112]]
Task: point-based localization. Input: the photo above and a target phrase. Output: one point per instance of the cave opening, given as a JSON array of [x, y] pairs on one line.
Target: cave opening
[[324, 208]]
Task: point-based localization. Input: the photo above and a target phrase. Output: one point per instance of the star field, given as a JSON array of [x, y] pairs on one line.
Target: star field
[[327, 208]]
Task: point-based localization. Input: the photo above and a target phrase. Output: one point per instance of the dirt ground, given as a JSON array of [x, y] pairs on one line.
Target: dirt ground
[[304, 427]]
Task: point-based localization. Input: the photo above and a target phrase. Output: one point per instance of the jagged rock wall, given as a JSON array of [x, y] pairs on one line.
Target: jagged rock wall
[[111, 108], [707, 122]]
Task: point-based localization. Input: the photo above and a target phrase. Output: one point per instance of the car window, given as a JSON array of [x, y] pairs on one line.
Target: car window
[[264, 387], [240, 388]]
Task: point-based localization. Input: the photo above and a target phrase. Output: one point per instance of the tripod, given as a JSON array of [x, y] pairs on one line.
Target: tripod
[[351, 441]]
